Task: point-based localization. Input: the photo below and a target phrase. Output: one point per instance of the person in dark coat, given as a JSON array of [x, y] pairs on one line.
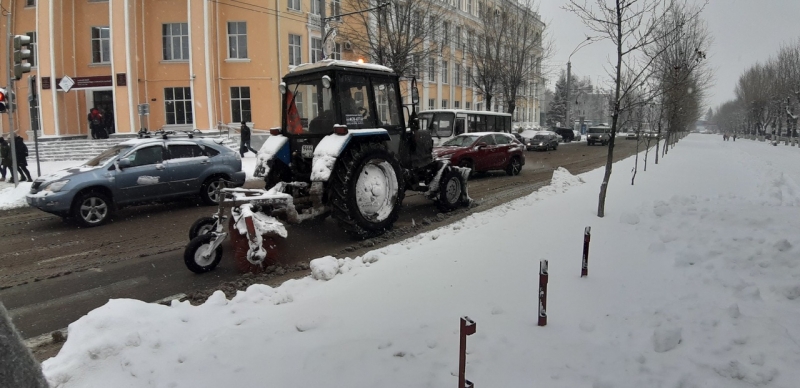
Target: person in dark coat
[[245, 143], [108, 119], [5, 157], [22, 159], [96, 123]]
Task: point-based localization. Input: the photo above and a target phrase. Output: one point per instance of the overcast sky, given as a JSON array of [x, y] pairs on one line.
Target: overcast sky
[[744, 32]]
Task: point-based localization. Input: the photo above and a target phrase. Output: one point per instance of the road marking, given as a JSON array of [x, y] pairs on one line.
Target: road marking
[[50, 260], [98, 291]]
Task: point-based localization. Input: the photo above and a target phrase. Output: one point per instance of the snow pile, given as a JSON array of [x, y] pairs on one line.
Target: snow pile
[[693, 282]]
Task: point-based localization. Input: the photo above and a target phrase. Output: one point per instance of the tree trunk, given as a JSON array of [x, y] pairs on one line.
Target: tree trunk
[[635, 163], [601, 206], [488, 102], [658, 140]]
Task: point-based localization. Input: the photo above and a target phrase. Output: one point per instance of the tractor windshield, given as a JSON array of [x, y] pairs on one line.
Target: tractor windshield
[[309, 108]]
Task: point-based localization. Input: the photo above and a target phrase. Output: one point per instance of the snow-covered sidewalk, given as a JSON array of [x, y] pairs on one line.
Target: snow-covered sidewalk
[[693, 282]]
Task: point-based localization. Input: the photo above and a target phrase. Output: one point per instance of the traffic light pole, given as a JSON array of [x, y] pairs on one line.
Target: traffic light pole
[[12, 133]]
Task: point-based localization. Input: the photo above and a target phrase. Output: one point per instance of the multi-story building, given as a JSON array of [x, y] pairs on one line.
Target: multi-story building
[[195, 63]]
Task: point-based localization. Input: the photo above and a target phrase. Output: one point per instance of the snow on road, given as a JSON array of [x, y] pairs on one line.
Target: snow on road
[[693, 282]]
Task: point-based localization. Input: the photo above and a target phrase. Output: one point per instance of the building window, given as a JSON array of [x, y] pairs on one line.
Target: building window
[[237, 40], [431, 103], [240, 104], [176, 41], [458, 36], [469, 6], [431, 69], [315, 7], [456, 104], [294, 5], [316, 50], [101, 45], [337, 51], [30, 3], [336, 9], [457, 74], [178, 105], [295, 57], [444, 72], [467, 105], [444, 104], [33, 60]]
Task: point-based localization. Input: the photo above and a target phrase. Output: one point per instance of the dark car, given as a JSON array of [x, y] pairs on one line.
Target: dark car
[[137, 171], [566, 134], [483, 151], [540, 140]]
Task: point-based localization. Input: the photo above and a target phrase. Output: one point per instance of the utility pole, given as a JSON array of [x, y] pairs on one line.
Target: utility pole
[[569, 88]]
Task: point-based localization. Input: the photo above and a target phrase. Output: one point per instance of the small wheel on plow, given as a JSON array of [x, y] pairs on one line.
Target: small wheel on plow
[[202, 226], [197, 257]]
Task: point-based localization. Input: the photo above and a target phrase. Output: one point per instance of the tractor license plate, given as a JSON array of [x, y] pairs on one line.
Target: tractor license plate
[[308, 151]]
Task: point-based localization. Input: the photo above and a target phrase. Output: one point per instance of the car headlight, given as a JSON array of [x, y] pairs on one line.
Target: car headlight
[[541, 144], [56, 186]]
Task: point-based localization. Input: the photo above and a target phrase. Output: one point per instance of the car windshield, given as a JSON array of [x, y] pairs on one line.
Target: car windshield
[[539, 137], [597, 130], [528, 133], [440, 124], [106, 155], [460, 141]]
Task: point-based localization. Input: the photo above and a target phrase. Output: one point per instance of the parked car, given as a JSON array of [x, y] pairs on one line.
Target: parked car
[[137, 171], [542, 141], [483, 151], [598, 135], [577, 136], [632, 135], [566, 134]]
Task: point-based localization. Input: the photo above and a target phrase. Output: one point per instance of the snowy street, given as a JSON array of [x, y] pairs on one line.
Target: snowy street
[[693, 282]]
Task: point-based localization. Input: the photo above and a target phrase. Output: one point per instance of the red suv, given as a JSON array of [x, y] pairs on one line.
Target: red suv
[[484, 151]]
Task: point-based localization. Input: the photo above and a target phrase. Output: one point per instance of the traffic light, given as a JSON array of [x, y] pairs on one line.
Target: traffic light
[[3, 101], [22, 52]]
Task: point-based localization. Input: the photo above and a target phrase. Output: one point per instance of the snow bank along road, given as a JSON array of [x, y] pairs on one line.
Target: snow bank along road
[[693, 282], [51, 272]]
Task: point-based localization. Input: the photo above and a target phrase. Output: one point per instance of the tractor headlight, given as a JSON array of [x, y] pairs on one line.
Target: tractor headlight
[[56, 186]]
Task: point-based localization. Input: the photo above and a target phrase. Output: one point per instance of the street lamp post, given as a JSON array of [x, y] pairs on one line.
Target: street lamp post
[[569, 77]]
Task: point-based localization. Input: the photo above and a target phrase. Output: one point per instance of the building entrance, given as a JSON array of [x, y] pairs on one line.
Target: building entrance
[[103, 100]]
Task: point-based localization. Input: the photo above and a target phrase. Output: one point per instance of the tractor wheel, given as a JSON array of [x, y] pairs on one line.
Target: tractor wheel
[[366, 190], [451, 190]]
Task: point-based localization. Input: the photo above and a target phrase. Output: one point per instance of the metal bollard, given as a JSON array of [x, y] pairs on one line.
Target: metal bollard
[[467, 328], [543, 275], [587, 236]]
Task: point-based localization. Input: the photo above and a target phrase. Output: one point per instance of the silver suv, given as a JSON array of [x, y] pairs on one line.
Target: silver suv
[[137, 171]]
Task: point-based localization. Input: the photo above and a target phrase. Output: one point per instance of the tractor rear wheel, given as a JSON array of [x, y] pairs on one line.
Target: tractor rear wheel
[[366, 190]]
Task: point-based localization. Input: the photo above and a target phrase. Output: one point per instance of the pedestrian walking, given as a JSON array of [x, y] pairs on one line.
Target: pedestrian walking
[[245, 140], [22, 159], [96, 124], [734, 136], [5, 158]]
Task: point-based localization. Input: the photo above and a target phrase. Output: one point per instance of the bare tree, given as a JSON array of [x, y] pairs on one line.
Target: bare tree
[[401, 36], [522, 50], [484, 52], [633, 26]]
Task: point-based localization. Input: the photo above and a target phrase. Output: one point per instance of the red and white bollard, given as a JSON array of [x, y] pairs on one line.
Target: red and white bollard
[[467, 328], [543, 275], [587, 235]]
